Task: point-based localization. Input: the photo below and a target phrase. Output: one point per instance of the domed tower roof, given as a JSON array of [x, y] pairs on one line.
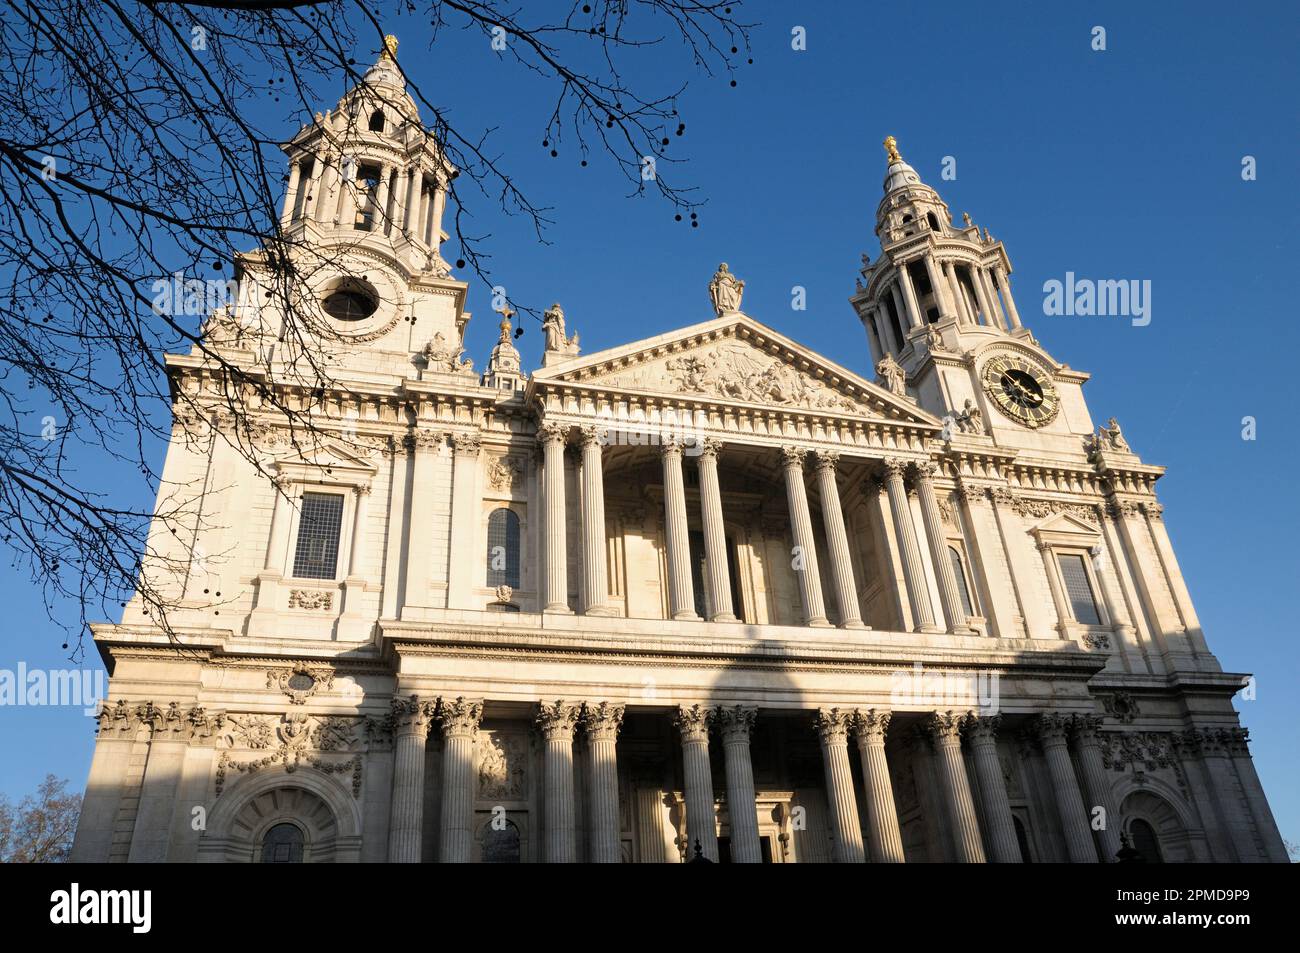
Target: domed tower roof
[[908, 203]]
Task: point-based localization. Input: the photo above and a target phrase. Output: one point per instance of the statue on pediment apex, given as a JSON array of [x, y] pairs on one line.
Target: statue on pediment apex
[[725, 289], [557, 344]]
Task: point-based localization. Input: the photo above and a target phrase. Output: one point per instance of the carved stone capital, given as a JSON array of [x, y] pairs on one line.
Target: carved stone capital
[[793, 457], [427, 440], [926, 469], [557, 721], [982, 729], [670, 446], [1154, 511], [1053, 728], [552, 431], [1002, 495], [833, 725], [467, 444], [894, 467], [460, 717], [871, 726], [828, 460], [735, 722], [1087, 728], [412, 714], [693, 722], [710, 447], [602, 721], [944, 727], [593, 436]]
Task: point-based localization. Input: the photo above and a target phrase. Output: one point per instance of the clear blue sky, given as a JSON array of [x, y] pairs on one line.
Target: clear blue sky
[[1117, 164]]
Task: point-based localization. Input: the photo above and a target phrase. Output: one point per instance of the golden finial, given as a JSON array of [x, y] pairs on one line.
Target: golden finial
[[505, 326], [891, 147], [389, 52]]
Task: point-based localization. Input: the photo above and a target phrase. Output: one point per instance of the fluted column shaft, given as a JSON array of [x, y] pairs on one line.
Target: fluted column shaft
[[1064, 614], [937, 283], [991, 294], [701, 824], [833, 726], [1004, 285], [555, 582], [735, 724], [379, 210], [715, 535], [914, 317], [459, 720], [595, 584], [949, 595], [602, 723], [677, 537], [1095, 783], [291, 193], [805, 556], [884, 838], [1052, 730], [357, 555], [913, 573], [981, 731], [837, 541], [945, 731], [411, 717], [958, 295], [556, 723]]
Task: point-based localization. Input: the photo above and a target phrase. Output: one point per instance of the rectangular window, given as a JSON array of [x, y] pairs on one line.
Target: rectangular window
[[1078, 589], [317, 554]]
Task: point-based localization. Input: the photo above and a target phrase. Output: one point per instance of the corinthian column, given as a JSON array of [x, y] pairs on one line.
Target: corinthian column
[[949, 595], [1052, 730], [556, 723], [944, 728], [955, 289], [913, 573], [1004, 285], [883, 836], [602, 723], [677, 538], [805, 561], [837, 541], [914, 317], [735, 724], [595, 587], [411, 717], [555, 583], [981, 732], [1087, 737], [701, 824], [459, 720], [833, 729], [936, 282], [715, 536]]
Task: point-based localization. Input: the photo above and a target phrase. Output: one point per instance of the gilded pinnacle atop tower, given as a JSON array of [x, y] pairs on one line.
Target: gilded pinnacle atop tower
[[891, 148], [389, 52]]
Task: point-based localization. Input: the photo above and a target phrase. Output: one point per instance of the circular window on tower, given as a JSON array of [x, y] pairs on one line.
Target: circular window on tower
[[351, 300]]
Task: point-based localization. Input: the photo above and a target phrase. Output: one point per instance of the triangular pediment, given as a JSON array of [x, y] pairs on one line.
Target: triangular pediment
[[735, 359], [1064, 524], [326, 454]]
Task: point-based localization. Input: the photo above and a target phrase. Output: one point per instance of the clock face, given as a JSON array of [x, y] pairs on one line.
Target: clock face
[[1021, 390]]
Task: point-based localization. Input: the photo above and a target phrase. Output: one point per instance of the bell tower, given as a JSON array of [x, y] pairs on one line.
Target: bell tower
[[937, 305]]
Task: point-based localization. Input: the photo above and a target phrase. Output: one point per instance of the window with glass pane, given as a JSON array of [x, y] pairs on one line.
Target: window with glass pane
[[317, 554], [1078, 589], [959, 571], [503, 548]]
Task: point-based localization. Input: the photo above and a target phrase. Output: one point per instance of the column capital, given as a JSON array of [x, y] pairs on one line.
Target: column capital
[[735, 722], [552, 431], [670, 446], [412, 714], [925, 470], [793, 456], [460, 717], [1087, 728], [944, 727], [982, 729], [870, 726], [557, 721], [828, 460], [895, 467], [971, 493], [593, 436], [693, 722], [1052, 728], [602, 721], [710, 447], [467, 444], [426, 440], [833, 725]]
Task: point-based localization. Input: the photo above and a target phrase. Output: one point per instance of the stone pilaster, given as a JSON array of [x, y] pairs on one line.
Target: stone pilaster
[[734, 724], [1087, 730], [411, 718], [701, 824], [459, 719], [1052, 731], [427, 444], [677, 539], [944, 728], [981, 734], [913, 572], [601, 723], [884, 838], [595, 584], [715, 536], [805, 555], [837, 541], [949, 594], [1265, 824], [557, 722], [555, 583], [833, 726]]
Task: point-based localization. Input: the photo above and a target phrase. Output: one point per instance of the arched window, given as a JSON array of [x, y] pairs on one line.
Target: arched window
[[367, 195], [1145, 842], [934, 222], [1022, 841], [500, 844], [282, 844], [377, 121], [959, 571], [503, 548]]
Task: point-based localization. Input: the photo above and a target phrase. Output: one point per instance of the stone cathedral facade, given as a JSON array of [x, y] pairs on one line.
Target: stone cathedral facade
[[706, 594]]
